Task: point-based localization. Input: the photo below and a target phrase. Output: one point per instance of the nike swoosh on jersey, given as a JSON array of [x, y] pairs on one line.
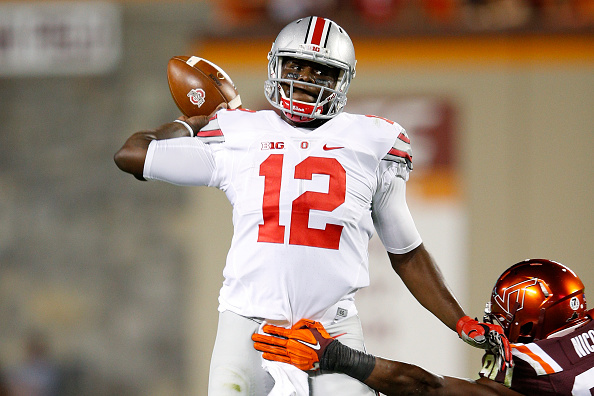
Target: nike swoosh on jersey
[[312, 346], [326, 147]]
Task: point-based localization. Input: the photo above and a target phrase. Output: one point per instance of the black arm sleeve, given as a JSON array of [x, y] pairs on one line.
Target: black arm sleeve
[[341, 358]]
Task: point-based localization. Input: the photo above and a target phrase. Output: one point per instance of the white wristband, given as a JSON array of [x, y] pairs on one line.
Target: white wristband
[[188, 127]]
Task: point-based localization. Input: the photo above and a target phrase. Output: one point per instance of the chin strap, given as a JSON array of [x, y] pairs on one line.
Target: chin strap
[[297, 118], [304, 108]]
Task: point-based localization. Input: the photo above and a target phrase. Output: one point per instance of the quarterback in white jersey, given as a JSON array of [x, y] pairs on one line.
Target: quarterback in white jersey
[[308, 184], [302, 206]]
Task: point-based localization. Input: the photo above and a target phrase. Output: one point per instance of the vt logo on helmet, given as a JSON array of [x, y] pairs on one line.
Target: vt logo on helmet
[[322, 42]]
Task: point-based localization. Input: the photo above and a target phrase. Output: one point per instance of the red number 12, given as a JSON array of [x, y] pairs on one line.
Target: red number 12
[[300, 233]]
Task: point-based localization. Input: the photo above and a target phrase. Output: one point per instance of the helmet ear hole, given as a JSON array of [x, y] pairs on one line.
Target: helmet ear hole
[[526, 329]]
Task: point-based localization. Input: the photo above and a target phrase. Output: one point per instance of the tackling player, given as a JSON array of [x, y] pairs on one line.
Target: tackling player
[[539, 303], [308, 183]]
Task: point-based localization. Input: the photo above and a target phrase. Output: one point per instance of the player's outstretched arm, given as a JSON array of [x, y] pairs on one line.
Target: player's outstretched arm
[[130, 158], [308, 346], [424, 280], [396, 378]]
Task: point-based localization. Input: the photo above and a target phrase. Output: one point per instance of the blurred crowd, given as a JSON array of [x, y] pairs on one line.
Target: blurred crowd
[[36, 375], [416, 16]]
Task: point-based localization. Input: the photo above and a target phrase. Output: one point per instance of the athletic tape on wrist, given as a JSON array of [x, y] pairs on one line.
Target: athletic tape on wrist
[[341, 358], [188, 127]]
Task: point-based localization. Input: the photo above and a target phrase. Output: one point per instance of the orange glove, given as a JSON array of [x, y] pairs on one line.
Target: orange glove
[[303, 345], [485, 336]]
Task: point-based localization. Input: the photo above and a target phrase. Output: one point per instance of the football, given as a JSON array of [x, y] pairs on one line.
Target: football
[[198, 86]]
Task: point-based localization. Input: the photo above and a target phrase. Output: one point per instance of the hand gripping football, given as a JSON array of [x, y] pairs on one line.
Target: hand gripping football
[[198, 86]]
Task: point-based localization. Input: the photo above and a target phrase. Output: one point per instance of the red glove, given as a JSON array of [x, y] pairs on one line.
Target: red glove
[[485, 336], [302, 345]]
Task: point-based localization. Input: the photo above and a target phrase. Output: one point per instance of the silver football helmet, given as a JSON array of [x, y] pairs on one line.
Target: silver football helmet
[[318, 40]]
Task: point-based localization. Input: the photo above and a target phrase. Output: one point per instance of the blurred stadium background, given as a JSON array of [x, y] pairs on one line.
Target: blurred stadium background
[[108, 286]]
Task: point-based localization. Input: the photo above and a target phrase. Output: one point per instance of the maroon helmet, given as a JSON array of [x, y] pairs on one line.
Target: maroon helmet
[[535, 298]]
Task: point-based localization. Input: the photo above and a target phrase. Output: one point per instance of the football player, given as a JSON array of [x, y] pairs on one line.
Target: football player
[[308, 184], [541, 306]]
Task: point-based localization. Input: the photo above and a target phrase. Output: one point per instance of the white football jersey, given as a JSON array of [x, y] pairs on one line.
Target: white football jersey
[[304, 206]]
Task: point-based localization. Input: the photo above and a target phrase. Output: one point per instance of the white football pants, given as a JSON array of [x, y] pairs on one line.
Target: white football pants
[[236, 367]]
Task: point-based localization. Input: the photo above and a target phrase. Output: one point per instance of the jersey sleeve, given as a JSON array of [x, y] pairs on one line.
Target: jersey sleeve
[[183, 161], [401, 151], [391, 217]]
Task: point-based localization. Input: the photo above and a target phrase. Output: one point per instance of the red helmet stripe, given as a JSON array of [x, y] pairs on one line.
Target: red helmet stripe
[[318, 34]]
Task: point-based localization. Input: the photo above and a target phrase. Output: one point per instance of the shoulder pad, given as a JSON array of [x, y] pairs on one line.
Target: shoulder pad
[[212, 132], [401, 151]]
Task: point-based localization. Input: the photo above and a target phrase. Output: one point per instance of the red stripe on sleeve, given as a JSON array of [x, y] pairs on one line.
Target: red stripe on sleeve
[[212, 132], [399, 153]]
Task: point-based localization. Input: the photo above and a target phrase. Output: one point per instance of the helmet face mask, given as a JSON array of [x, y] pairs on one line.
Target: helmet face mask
[[316, 40], [536, 298]]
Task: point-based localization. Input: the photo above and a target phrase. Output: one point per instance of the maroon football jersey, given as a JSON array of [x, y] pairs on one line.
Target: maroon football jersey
[[554, 366]]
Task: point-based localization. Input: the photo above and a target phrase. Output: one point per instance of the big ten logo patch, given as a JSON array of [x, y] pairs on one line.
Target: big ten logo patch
[[273, 145], [281, 145]]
